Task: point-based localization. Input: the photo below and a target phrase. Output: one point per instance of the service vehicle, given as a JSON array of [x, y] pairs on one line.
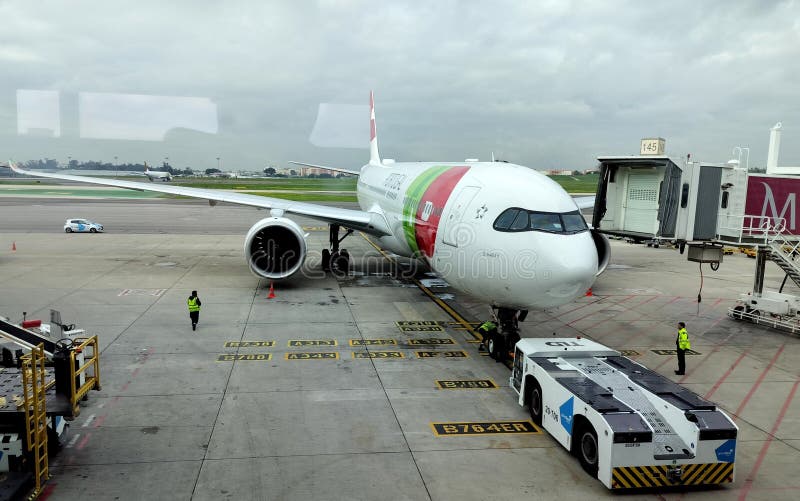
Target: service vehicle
[[82, 225], [630, 427]]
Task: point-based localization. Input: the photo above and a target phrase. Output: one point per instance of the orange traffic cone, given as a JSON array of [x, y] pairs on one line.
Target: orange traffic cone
[[271, 291], [13, 246], [589, 292]]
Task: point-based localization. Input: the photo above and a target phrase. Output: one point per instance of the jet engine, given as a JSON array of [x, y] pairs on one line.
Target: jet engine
[[603, 251], [275, 248]]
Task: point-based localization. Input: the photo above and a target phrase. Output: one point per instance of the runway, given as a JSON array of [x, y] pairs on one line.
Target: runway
[[320, 393]]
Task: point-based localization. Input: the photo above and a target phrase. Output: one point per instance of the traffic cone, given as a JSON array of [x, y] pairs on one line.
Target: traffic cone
[[271, 291], [13, 246], [589, 292]]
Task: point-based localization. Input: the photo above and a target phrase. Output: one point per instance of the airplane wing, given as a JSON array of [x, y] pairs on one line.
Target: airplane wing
[[372, 223], [337, 169], [584, 202]]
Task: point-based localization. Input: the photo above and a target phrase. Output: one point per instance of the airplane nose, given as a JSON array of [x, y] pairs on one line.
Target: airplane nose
[[571, 267]]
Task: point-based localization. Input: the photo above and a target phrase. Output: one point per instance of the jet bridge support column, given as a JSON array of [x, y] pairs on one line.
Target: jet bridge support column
[[761, 261]]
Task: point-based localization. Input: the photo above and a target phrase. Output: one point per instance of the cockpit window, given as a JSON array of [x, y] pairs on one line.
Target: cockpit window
[[505, 219], [520, 222], [573, 222], [515, 219], [546, 222]]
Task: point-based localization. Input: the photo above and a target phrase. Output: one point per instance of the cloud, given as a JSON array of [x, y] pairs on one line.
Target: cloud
[[547, 83]]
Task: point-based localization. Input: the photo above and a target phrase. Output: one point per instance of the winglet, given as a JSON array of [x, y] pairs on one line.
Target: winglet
[[374, 157]]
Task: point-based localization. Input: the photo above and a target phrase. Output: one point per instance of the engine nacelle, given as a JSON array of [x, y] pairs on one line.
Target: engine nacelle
[[275, 248], [603, 251]]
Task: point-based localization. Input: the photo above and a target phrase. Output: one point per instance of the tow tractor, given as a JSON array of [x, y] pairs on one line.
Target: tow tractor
[[630, 427]]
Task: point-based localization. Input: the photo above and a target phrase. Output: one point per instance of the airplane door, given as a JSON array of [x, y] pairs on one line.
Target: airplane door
[[458, 230]]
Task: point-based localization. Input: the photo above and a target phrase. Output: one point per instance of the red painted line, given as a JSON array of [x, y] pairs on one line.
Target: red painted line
[[99, 421], [758, 381], [594, 313], [717, 302], [576, 309], [82, 443], [694, 368], [136, 372], [748, 483], [125, 386], [725, 376], [48, 489]]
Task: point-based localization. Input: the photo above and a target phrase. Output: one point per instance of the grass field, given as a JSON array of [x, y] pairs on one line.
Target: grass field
[[309, 190]]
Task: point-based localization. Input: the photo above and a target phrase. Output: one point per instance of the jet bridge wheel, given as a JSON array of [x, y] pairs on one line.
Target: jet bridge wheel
[[587, 448]]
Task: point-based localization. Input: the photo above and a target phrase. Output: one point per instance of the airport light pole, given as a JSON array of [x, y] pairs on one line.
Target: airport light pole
[[69, 162], [217, 163]]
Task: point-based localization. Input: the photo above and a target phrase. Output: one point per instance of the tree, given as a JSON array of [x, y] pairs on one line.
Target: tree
[[269, 171], [212, 171], [292, 172]]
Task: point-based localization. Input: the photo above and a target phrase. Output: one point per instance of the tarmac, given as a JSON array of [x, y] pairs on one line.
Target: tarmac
[[319, 393]]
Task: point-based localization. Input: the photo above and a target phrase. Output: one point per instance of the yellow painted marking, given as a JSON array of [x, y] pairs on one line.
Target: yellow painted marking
[[244, 357], [450, 311], [421, 328], [312, 342], [431, 340], [315, 355], [484, 428], [249, 344], [629, 353], [416, 323], [674, 352], [372, 342], [378, 354], [441, 354], [466, 384]]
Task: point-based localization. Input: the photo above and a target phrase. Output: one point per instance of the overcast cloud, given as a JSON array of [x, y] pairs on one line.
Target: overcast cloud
[[544, 84]]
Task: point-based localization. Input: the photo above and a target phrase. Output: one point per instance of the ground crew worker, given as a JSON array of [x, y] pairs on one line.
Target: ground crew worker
[[486, 330], [682, 344], [194, 309]]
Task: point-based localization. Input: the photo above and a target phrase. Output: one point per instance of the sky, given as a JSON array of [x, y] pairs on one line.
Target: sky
[[248, 84]]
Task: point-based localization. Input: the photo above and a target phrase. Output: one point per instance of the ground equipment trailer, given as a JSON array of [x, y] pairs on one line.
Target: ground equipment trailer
[[629, 426]]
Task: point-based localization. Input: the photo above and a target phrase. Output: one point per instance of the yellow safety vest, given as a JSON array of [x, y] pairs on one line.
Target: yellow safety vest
[[683, 340], [193, 306]]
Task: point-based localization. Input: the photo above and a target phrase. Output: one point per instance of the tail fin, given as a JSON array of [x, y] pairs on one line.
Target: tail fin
[[374, 157]]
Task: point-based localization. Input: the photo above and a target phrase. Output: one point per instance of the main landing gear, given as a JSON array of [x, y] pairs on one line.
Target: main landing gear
[[503, 340], [335, 260]]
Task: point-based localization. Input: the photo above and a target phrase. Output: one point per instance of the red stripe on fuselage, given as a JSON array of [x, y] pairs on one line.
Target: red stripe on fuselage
[[437, 194]]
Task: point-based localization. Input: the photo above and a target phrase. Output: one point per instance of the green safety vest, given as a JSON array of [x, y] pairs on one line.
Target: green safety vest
[[683, 340], [487, 326], [193, 306]]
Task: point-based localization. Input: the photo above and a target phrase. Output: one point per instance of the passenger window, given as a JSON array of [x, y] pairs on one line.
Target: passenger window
[[546, 222], [520, 222], [505, 219]]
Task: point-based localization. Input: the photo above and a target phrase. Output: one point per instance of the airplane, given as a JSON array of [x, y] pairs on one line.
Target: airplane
[[503, 233], [156, 175]]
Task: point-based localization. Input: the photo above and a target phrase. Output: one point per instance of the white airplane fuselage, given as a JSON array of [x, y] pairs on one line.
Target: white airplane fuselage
[[445, 214], [156, 175]]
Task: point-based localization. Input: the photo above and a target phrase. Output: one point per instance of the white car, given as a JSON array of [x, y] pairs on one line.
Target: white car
[[82, 225]]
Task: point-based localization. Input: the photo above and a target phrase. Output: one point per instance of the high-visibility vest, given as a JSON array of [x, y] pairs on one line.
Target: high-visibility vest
[[683, 339], [487, 326], [193, 306]]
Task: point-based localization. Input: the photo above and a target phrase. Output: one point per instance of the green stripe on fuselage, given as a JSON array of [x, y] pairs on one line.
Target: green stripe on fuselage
[[413, 197]]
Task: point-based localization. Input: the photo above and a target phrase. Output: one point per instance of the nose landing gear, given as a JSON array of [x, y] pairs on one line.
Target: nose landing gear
[[335, 260], [502, 340]]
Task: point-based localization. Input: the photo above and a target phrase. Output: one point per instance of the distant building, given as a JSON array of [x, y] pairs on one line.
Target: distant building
[[560, 172], [316, 171]]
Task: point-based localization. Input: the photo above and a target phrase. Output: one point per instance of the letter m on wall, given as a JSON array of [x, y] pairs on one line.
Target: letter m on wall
[[774, 198]]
